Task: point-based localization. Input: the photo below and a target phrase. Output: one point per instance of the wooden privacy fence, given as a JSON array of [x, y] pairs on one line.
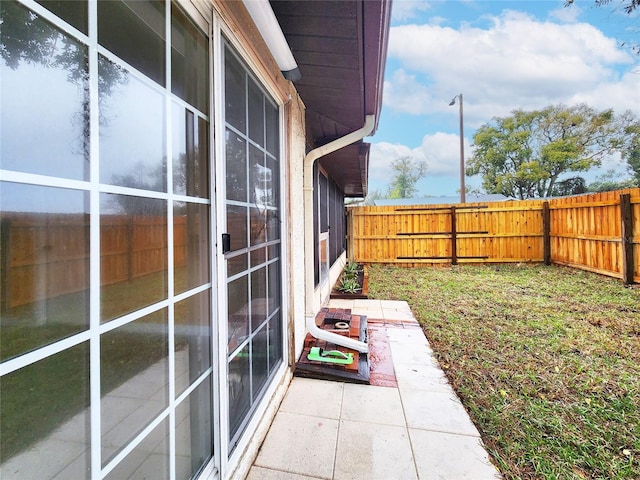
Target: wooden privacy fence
[[598, 232]]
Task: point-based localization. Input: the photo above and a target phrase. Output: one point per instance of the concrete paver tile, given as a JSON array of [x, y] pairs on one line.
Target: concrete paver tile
[[367, 451], [440, 412], [428, 378], [391, 314], [259, 473], [399, 305], [449, 456], [341, 303], [411, 353], [369, 312], [300, 444], [402, 335], [367, 403], [318, 398], [366, 303]]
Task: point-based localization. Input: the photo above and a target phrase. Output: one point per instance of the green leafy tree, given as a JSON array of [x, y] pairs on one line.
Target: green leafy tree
[[407, 174], [570, 186], [610, 181], [524, 155], [631, 152]]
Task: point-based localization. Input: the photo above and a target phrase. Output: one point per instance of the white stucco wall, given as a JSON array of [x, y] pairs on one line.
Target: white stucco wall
[[295, 113]]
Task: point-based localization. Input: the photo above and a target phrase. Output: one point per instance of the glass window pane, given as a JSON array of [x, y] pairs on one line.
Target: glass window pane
[[133, 253], [132, 131], [190, 153], [192, 339], [275, 342], [323, 184], [134, 376], [194, 428], [274, 286], [191, 245], [135, 32], [237, 226], [259, 361], [273, 215], [236, 264], [273, 182], [149, 460], [44, 240], [74, 12], [256, 114], [44, 414], [236, 162], [42, 133], [258, 256], [239, 390], [238, 301], [273, 128], [258, 221], [189, 61], [273, 251], [235, 92], [260, 181], [258, 297]]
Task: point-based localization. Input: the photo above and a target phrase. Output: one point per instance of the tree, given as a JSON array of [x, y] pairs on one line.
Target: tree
[[570, 186], [407, 174], [371, 197], [627, 5], [610, 181], [524, 156], [631, 152]]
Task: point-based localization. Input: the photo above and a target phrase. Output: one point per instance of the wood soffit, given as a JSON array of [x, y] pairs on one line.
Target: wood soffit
[[340, 47]]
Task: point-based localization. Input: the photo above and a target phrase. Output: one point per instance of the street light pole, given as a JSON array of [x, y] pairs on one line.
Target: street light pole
[[462, 187]]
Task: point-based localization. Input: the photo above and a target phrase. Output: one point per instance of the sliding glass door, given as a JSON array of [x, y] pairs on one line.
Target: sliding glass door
[[253, 230]]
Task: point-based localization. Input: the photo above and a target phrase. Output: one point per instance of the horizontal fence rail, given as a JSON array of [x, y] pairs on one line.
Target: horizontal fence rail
[[597, 232]]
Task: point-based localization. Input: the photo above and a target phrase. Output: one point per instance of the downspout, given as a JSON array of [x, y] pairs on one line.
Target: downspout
[[309, 160]]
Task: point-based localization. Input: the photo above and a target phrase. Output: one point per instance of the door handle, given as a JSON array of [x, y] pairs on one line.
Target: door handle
[[226, 242]]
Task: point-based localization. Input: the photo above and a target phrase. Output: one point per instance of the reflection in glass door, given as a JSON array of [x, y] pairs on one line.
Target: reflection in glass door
[[106, 287], [254, 322]]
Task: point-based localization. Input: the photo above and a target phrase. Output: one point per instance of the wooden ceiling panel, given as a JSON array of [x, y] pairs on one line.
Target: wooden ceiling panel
[[340, 47]]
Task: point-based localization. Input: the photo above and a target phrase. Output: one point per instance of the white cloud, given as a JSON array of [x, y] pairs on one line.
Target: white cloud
[[566, 14], [402, 10], [517, 62], [405, 93], [440, 150]]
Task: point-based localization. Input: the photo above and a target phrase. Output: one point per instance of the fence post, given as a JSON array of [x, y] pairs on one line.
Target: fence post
[[349, 220], [454, 239], [546, 232], [626, 214]]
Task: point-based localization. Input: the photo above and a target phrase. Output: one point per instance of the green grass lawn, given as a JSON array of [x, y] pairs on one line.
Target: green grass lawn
[[545, 359]]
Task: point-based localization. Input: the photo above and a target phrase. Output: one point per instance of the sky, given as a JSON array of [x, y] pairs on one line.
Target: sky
[[501, 56]]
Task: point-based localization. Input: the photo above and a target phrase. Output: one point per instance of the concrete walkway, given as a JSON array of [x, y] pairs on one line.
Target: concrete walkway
[[417, 430]]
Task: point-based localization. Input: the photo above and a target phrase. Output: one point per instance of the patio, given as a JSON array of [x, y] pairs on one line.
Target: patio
[[416, 429]]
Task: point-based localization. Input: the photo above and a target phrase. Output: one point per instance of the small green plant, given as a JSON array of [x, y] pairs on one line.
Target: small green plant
[[349, 284], [351, 268]]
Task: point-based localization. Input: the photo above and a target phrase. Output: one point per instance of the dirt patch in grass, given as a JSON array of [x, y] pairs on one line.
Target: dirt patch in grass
[[545, 359]]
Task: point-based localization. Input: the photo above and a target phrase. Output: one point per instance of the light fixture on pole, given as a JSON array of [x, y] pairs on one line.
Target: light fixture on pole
[[462, 187]]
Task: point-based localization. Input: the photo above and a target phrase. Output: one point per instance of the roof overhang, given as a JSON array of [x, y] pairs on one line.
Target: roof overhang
[[340, 47]]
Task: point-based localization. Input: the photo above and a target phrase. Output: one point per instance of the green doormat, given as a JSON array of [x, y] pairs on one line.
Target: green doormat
[[330, 356]]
